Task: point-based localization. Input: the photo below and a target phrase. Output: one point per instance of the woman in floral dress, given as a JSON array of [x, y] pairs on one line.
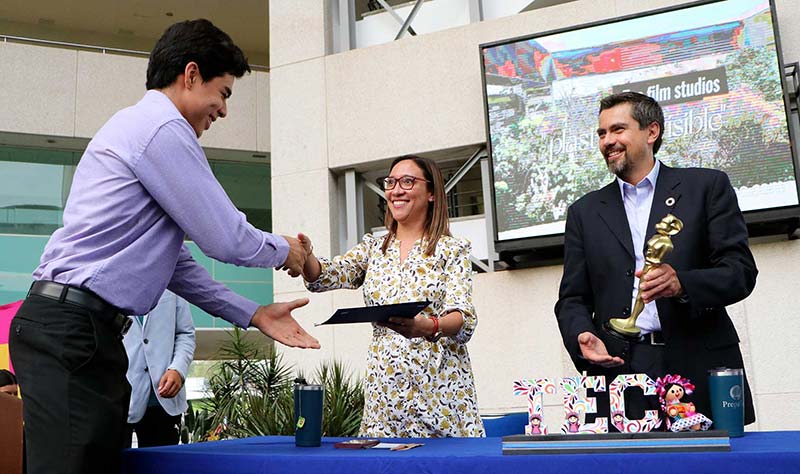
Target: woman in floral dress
[[419, 379]]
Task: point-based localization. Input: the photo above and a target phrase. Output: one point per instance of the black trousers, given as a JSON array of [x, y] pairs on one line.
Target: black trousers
[[156, 428], [71, 368]]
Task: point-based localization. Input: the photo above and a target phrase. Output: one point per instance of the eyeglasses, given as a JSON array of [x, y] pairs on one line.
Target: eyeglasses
[[406, 182]]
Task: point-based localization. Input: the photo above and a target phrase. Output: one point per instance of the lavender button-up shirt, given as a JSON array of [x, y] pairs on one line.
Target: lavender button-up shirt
[[142, 184]]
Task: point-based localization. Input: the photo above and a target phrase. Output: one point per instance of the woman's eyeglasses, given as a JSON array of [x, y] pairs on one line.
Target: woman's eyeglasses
[[406, 182]]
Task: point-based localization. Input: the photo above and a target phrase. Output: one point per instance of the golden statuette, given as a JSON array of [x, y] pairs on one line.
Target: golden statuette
[[657, 248]]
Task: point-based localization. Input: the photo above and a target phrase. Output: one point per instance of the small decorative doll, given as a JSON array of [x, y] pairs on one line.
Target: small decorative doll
[[535, 425], [573, 422], [680, 413], [618, 420]]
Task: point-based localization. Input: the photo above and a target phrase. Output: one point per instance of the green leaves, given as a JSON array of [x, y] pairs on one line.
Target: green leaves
[[344, 400], [253, 396]]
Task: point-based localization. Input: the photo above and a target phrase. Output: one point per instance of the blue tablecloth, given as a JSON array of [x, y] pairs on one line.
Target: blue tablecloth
[[759, 452]]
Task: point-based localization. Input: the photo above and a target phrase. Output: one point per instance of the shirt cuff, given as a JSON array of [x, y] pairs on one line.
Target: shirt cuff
[[318, 285], [281, 246], [240, 310]]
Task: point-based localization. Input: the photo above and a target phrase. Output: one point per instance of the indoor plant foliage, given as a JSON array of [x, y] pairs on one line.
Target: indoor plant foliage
[[253, 395]]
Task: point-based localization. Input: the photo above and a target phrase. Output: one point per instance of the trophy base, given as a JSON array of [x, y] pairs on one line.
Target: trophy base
[[622, 328]]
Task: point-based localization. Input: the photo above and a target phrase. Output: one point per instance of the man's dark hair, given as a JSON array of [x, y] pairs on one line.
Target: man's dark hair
[[645, 110], [7, 378], [199, 41]]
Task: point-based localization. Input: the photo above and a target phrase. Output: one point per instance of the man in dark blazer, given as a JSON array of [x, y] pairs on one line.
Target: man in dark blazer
[[685, 327]]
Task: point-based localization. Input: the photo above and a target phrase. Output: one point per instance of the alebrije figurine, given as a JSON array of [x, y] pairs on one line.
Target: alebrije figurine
[[680, 414]]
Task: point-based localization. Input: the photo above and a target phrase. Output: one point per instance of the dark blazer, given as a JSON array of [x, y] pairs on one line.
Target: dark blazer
[[711, 257]]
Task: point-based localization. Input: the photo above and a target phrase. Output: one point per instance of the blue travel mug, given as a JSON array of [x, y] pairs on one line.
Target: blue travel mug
[[308, 414], [727, 399]]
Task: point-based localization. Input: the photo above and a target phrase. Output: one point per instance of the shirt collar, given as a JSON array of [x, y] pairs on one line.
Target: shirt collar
[[165, 104], [651, 178]]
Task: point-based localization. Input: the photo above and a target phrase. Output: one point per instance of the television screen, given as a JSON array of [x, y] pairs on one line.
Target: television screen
[[714, 68]]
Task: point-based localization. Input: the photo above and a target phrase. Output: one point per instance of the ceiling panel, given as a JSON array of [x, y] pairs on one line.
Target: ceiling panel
[[135, 24]]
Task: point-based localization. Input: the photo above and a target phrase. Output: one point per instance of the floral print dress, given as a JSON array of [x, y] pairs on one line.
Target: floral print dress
[[413, 388]]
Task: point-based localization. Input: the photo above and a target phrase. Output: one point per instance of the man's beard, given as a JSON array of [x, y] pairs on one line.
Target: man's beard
[[619, 167]]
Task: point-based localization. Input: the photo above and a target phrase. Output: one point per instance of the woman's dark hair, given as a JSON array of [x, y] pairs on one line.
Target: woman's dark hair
[[668, 386], [7, 378], [436, 222], [196, 41]]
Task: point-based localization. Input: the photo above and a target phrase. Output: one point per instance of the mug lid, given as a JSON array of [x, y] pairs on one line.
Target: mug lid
[[725, 371], [308, 387]]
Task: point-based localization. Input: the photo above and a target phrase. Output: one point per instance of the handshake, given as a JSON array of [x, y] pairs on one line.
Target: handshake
[[300, 250]]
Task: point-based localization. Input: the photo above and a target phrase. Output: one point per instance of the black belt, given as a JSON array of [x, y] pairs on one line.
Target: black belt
[[83, 298], [655, 338]]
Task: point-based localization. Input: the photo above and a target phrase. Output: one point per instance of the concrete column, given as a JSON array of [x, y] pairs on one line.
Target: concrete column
[[303, 189], [299, 30]]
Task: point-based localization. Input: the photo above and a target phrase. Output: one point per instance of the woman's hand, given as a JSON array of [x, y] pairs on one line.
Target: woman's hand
[[311, 269], [418, 326], [306, 242]]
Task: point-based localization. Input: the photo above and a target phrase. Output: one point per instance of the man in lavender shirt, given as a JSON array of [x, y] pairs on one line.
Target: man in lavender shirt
[[142, 184]]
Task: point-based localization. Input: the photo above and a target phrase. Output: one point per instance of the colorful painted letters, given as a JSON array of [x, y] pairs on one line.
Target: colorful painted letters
[[577, 405]]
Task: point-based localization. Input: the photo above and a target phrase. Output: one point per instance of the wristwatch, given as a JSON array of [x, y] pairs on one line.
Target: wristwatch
[[437, 333]]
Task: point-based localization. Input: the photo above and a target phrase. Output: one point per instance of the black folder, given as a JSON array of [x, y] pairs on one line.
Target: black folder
[[376, 314]]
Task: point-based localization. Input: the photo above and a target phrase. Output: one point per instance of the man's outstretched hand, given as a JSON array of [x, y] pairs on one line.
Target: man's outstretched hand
[[595, 351], [276, 321]]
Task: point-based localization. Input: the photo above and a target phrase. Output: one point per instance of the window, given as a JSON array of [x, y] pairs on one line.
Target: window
[[36, 182], [248, 186], [34, 188]]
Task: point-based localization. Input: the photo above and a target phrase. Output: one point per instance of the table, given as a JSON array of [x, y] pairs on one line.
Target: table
[[756, 452]]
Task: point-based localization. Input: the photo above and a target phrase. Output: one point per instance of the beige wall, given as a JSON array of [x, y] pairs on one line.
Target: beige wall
[[423, 94], [68, 93]]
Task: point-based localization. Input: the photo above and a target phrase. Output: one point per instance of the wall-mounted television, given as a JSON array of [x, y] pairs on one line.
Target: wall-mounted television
[[715, 68]]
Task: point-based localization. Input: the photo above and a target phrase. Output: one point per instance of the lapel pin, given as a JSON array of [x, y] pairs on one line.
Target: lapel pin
[[670, 201]]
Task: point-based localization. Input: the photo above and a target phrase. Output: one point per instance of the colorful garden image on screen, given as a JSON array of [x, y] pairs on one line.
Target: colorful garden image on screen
[[714, 69]]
